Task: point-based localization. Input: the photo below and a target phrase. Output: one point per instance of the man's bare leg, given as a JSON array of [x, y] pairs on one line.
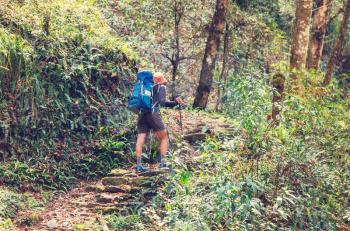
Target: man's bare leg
[[163, 146], [141, 137]]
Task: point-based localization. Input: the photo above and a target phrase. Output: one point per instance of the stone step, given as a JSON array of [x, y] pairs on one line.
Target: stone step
[[129, 204], [125, 198], [118, 189], [94, 188], [135, 190], [114, 181], [127, 173], [149, 193], [127, 189], [90, 205], [106, 198], [153, 173], [79, 195], [94, 205], [119, 172], [107, 210], [131, 175], [141, 180], [193, 137], [134, 181], [123, 211], [122, 208]]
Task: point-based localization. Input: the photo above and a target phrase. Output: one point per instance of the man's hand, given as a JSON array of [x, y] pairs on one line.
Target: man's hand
[[179, 100]]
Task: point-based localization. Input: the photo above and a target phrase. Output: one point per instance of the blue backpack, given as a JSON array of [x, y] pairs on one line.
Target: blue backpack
[[140, 100]]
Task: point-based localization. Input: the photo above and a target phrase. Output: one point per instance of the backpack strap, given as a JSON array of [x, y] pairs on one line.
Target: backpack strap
[[158, 89]]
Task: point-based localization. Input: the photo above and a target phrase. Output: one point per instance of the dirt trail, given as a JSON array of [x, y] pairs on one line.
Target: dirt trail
[[123, 190], [63, 211]]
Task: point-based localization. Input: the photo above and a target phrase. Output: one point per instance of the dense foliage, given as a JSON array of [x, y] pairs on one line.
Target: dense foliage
[[65, 69], [268, 177], [64, 76]]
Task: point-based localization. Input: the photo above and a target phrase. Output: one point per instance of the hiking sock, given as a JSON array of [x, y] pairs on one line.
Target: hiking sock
[[163, 163], [139, 167], [162, 159], [138, 160]]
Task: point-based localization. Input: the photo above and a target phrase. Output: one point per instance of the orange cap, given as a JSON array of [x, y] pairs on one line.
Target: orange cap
[[159, 78]]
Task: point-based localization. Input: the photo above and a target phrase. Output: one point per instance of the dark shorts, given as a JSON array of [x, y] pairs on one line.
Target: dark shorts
[[150, 121]]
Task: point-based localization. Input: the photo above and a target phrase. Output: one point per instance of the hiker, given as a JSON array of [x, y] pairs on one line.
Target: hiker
[[153, 121]]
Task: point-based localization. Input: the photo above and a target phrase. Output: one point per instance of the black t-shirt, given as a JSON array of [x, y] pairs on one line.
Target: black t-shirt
[[159, 98]]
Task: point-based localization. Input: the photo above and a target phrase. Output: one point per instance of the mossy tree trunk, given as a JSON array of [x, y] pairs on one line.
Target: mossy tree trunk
[[316, 43], [210, 55], [338, 44], [224, 70], [300, 43]]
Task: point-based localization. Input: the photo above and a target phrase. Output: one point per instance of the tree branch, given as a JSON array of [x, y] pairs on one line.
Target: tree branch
[[171, 59], [186, 57]]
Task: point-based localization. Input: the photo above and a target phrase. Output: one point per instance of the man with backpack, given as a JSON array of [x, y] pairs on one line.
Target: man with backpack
[[153, 95]]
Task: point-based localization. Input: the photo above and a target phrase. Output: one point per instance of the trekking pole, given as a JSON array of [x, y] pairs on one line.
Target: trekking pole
[[167, 132], [180, 108]]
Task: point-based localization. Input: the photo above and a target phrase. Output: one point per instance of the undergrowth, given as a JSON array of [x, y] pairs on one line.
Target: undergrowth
[[293, 176], [64, 77]]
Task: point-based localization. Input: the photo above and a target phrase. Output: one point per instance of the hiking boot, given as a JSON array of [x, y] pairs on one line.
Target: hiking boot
[[163, 166], [140, 168]]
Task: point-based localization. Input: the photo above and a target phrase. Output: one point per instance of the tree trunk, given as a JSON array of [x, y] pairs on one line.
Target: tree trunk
[[319, 31], [208, 64], [175, 64], [301, 35], [278, 95], [178, 12], [46, 24], [338, 44], [223, 74]]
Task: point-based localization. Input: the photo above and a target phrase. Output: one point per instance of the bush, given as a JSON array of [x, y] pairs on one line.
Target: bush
[[11, 203]]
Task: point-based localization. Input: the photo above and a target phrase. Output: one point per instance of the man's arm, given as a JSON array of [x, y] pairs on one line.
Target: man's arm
[[162, 98]]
